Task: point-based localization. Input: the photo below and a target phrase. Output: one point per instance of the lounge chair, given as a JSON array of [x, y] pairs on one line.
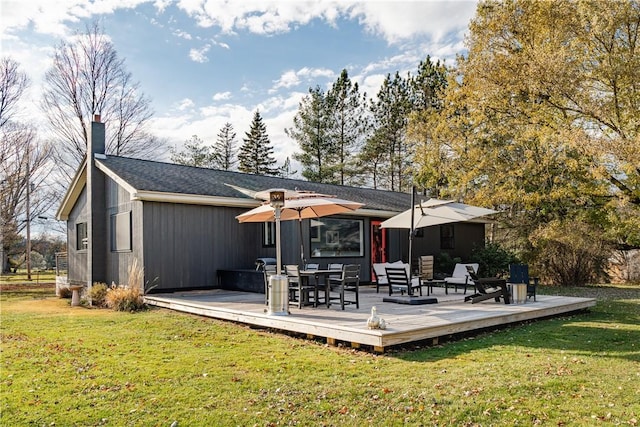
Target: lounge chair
[[487, 288], [460, 276]]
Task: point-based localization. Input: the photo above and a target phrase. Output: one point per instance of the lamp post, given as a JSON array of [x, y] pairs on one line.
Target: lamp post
[[28, 209], [276, 199], [3, 184], [278, 284]]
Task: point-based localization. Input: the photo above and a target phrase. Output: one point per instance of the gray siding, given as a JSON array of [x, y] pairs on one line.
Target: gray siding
[[118, 262], [77, 269], [185, 245]]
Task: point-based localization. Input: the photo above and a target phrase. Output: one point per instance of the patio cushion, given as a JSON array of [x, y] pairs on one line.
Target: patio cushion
[[380, 270], [460, 275]]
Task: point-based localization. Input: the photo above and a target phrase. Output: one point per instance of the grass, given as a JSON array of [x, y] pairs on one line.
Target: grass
[[68, 366]]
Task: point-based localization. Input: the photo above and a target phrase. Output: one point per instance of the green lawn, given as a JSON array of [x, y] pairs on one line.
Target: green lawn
[[68, 366]]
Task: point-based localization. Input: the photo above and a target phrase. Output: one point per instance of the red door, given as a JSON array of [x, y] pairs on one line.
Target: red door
[[378, 244]]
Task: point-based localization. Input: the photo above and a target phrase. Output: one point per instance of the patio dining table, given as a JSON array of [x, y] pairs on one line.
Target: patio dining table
[[321, 281]]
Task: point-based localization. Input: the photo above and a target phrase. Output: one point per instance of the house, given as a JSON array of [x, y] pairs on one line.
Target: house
[[179, 223]]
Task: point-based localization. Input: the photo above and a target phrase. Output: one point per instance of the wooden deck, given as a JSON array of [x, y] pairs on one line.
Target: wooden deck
[[405, 323]]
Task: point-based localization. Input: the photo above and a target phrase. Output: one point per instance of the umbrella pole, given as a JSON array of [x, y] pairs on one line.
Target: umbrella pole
[[301, 242], [411, 233], [278, 252]]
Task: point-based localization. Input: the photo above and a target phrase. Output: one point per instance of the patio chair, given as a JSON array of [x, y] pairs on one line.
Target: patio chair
[[425, 272], [519, 273], [349, 281], [312, 267], [299, 288], [334, 266], [487, 288], [380, 275], [268, 271], [398, 279]]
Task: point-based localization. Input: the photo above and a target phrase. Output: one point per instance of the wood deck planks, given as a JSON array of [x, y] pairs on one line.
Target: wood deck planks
[[405, 323]]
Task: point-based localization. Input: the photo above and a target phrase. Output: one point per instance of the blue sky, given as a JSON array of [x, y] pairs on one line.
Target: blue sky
[[206, 62]]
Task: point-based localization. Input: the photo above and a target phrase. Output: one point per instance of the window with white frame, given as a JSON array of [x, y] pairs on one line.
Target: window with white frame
[[81, 236], [336, 237]]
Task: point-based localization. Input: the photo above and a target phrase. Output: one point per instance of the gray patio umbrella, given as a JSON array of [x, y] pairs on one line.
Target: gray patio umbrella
[[303, 205], [434, 212]]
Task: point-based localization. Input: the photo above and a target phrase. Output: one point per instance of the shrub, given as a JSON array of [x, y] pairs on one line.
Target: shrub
[[136, 275], [65, 292], [121, 298], [493, 260], [131, 296], [98, 294], [570, 253]]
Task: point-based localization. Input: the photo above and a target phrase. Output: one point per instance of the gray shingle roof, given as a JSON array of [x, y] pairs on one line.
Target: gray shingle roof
[[146, 175]]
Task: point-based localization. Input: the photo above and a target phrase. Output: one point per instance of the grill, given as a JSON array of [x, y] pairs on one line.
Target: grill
[[261, 262]]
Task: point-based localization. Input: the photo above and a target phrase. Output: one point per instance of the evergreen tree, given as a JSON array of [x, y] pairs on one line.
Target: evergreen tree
[[256, 154], [285, 169], [429, 150], [195, 153], [224, 151], [426, 89], [388, 141], [347, 109], [311, 130]]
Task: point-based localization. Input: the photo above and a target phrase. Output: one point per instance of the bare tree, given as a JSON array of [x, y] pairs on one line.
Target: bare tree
[[25, 192], [87, 78], [24, 169], [13, 83]]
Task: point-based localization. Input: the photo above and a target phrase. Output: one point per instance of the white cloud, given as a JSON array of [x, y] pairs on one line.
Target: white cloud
[[52, 18], [396, 21], [161, 5], [200, 55], [222, 96], [185, 104], [291, 78], [182, 34], [283, 145], [288, 79], [397, 62], [393, 20], [267, 17]]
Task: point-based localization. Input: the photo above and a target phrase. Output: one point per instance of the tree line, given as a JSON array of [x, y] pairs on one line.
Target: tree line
[[538, 119]]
